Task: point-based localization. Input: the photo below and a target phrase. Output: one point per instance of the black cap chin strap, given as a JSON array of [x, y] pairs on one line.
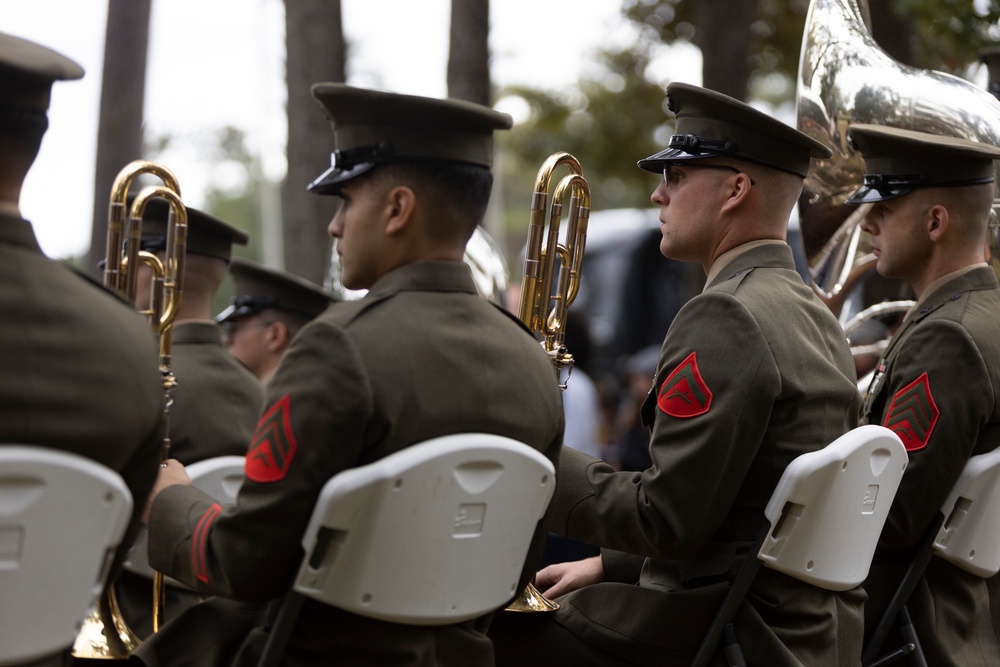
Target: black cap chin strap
[[345, 159], [256, 303], [891, 182], [695, 145]]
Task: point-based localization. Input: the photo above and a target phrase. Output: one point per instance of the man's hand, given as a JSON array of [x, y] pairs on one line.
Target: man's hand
[[171, 472], [562, 578]]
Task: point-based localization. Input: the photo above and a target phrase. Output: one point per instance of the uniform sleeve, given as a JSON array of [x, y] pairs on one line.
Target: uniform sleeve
[[715, 387], [311, 428], [938, 400], [620, 566]]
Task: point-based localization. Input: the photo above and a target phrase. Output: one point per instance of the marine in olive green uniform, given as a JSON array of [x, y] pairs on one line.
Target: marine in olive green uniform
[[268, 309], [421, 355], [78, 367], [217, 400], [938, 383], [753, 372]]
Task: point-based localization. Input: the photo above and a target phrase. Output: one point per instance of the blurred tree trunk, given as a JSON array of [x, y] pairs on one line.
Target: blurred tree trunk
[[724, 39], [469, 52], [119, 132], [469, 77], [316, 52]]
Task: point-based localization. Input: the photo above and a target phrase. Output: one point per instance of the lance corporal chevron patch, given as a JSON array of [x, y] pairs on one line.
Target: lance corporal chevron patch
[[684, 393], [913, 414], [273, 444]]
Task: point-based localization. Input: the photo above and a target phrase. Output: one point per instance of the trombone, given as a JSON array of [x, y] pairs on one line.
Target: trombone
[[104, 634], [542, 287], [537, 288]]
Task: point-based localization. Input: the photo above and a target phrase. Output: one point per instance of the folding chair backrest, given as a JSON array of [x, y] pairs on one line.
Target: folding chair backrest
[[436, 533], [220, 477], [970, 535], [830, 506], [62, 516]]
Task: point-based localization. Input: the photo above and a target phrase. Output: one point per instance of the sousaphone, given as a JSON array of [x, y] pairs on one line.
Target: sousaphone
[[846, 78]]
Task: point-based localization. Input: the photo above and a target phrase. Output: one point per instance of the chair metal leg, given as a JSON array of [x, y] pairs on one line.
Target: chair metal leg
[[911, 646], [892, 616], [910, 636], [281, 630], [711, 644], [731, 648]]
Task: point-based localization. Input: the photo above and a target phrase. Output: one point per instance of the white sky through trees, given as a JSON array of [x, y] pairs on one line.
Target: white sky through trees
[[214, 63]]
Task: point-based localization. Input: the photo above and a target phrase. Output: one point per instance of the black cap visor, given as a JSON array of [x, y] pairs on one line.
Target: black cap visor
[[883, 187], [687, 147], [331, 180], [245, 305], [348, 164]]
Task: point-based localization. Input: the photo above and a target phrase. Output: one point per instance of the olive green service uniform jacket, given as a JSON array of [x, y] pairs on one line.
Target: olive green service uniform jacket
[[422, 355], [938, 388], [217, 399], [78, 367], [753, 372], [216, 404]]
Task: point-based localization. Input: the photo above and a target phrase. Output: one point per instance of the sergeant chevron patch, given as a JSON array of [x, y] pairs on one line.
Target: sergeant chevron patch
[[273, 444], [684, 393], [913, 414]]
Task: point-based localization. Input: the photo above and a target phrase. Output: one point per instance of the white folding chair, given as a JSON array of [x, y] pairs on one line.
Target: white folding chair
[[434, 534], [220, 477], [822, 524], [62, 516], [966, 533]]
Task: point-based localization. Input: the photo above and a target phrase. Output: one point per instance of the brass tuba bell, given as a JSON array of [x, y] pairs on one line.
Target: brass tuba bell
[[846, 78]]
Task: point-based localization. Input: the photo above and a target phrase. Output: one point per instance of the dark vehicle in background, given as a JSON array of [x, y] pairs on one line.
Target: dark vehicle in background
[[629, 292]]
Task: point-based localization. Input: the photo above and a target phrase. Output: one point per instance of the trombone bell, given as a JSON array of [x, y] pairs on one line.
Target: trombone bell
[[104, 634], [531, 601]]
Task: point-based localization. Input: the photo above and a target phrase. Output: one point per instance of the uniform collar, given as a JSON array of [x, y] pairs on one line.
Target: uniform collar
[[15, 230], [951, 286], [197, 332], [947, 288], [425, 276], [772, 252], [265, 379]]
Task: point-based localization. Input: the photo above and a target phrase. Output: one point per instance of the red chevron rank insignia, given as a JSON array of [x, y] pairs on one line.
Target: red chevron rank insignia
[[273, 444], [913, 414], [684, 393]]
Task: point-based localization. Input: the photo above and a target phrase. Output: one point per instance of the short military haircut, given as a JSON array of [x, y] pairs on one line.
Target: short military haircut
[[458, 194]]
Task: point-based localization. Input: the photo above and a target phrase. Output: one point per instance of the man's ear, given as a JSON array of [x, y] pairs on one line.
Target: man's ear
[[739, 192], [276, 336], [402, 202], [936, 221]]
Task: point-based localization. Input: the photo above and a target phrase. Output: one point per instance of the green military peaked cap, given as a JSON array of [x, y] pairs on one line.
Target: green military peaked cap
[[207, 235], [259, 288], [898, 161], [27, 71], [710, 124], [28, 59], [372, 127]]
